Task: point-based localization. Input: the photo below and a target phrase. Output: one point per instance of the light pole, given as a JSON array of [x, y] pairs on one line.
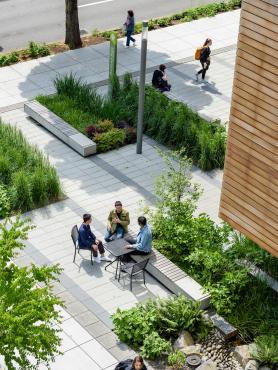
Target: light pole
[[141, 100]]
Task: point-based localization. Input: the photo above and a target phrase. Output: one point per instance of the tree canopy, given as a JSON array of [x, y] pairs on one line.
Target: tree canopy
[[28, 334]]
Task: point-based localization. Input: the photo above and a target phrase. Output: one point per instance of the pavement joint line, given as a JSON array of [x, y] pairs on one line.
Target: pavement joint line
[[173, 63], [123, 178]]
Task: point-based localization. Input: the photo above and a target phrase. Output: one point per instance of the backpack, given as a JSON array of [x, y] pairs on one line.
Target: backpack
[[124, 365], [198, 52]]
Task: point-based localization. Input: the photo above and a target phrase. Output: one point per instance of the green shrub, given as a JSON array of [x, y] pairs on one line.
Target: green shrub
[[167, 317], [105, 125], [112, 139], [37, 50], [243, 248], [176, 359], [8, 59], [5, 205], [266, 351], [174, 315], [133, 325], [154, 346]]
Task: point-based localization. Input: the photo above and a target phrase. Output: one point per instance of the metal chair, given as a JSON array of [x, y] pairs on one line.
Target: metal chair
[[74, 236], [133, 269]]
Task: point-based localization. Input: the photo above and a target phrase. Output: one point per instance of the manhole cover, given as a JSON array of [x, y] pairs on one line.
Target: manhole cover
[[193, 360]]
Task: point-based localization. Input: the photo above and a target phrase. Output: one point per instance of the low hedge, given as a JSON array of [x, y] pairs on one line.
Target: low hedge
[[27, 179]]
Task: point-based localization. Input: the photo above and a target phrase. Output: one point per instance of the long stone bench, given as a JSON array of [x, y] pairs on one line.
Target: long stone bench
[[58, 127], [173, 278]]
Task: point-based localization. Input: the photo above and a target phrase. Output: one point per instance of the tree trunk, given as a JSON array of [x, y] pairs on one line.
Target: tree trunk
[[73, 39]]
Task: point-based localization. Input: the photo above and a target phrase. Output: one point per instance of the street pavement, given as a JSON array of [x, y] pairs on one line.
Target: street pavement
[[91, 294], [44, 21], [173, 46]]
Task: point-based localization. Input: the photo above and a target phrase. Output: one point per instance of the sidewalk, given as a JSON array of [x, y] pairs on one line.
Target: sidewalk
[[23, 81], [93, 184]]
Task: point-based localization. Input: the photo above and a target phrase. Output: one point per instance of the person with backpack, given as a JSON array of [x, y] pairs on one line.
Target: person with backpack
[[203, 54], [130, 27], [136, 364]]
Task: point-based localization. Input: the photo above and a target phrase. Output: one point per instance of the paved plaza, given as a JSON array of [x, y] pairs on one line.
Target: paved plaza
[[92, 185]]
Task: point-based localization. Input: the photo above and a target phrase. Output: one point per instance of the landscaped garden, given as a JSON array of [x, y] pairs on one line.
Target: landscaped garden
[[214, 255], [27, 179], [111, 121]]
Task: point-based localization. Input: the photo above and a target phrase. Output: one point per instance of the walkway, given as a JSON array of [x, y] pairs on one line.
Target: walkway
[[93, 184], [23, 81]]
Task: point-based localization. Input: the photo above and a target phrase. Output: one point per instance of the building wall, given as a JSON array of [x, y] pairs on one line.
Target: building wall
[[249, 198]]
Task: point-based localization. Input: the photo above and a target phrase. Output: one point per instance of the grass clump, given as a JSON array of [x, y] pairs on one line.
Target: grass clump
[[27, 180]]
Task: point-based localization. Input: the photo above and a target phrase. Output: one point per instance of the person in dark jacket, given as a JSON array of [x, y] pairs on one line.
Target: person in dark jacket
[[130, 27], [88, 240], [136, 364], [159, 80], [204, 59]]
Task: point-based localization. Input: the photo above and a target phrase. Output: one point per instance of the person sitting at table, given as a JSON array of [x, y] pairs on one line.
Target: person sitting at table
[[143, 243], [118, 221], [88, 240]]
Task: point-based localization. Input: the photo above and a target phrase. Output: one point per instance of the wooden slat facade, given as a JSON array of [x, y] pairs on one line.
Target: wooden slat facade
[[249, 197]]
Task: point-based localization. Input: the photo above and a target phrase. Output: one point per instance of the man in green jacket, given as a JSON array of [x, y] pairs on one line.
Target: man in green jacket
[[118, 221]]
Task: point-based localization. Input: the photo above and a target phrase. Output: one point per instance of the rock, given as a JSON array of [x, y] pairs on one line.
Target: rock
[[208, 365], [192, 349], [252, 365], [242, 354], [264, 368], [185, 339]]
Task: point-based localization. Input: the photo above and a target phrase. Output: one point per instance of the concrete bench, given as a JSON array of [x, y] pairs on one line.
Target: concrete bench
[[58, 127], [173, 278]]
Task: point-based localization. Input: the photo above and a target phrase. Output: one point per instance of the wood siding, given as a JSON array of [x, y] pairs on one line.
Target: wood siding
[[249, 197]]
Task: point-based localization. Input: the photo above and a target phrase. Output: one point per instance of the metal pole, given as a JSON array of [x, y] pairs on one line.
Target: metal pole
[[141, 101], [112, 61]]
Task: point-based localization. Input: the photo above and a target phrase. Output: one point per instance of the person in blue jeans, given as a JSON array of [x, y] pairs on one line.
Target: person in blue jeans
[[130, 27], [118, 221]]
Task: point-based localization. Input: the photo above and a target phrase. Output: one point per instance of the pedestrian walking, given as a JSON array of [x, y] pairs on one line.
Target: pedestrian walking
[[203, 54], [130, 27]]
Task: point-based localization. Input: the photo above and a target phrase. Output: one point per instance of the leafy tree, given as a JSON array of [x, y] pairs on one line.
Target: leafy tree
[[73, 39], [28, 334]]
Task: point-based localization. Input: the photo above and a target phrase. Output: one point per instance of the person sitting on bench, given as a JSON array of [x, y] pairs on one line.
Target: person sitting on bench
[[159, 80], [118, 221], [143, 243], [88, 240]]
